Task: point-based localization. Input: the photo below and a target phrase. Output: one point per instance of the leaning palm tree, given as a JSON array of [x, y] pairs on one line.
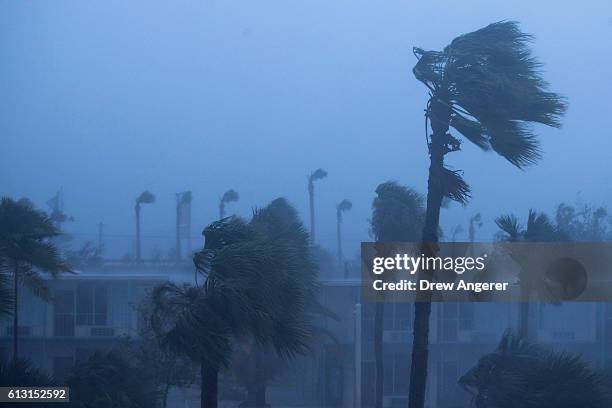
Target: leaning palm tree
[[539, 229], [145, 197], [318, 174], [26, 250], [489, 88], [343, 206], [397, 216], [229, 196]]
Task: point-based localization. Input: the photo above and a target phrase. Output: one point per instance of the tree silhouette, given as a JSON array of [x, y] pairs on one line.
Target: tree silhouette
[[522, 374], [318, 174], [488, 87], [26, 250], [539, 229], [397, 216], [343, 206], [229, 196], [145, 197]]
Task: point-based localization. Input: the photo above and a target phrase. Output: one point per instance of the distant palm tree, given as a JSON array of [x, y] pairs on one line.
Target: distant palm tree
[[522, 374], [397, 216], [488, 87], [475, 222], [26, 250], [229, 196], [144, 198], [458, 229], [343, 206], [259, 277], [539, 229], [318, 174]]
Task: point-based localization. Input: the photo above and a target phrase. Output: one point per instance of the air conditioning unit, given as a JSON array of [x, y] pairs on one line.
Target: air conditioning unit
[[102, 332]]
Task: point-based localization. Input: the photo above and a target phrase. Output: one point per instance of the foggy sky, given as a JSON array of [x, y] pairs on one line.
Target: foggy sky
[[109, 98]]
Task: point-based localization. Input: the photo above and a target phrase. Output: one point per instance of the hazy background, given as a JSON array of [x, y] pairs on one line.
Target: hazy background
[[109, 98]]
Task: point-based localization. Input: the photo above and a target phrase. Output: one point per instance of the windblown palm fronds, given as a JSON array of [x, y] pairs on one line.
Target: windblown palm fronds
[[146, 197], [494, 88], [521, 374]]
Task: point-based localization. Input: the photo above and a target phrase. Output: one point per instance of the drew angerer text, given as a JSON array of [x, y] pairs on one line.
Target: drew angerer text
[[423, 284]]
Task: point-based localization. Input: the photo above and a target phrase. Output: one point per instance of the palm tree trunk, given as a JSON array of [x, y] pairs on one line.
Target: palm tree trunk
[[221, 210], [523, 318], [16, 315], [312, 211], [137, 210], [439, 113], [210, 386], [339, 238], [378, 353]]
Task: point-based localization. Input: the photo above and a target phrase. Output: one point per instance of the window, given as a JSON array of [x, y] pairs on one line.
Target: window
[[453, 318], [63, 320], [91, 305]]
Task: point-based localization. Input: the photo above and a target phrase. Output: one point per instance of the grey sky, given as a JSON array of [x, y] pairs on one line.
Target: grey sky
[[109, 98]]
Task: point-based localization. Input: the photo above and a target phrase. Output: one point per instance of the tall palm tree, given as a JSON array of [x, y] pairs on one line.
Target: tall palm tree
[[318, 174], [539, 229], [26, 250], [489, 88], [145, 197], [475, 222], [397, 216], [229, 196], [343, 206]]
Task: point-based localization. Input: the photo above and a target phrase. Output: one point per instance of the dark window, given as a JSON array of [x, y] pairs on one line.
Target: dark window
[[63, 321], [91, 305]]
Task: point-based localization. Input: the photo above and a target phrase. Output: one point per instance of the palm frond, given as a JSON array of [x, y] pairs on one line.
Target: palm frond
[[318, 174], [491, 76], [510, 225], [230, 196], [146, 197], [454, 187]]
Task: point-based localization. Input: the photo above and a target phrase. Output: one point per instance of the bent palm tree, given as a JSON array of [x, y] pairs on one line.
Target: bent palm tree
[[26, 250], [488, 87], [318, 174], [343, 206], [397, 216], [230, 196], [145, 197]]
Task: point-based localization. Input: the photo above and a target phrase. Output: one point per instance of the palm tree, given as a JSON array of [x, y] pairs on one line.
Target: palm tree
[[145, 197], [539, 229], [458, 229], [259, 277], [318, 174], [475, 222], [522, 374], [397, 216], [343, 206], [26, 250], [110, 379], [488, 87], [229, 196], [188, 323]]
